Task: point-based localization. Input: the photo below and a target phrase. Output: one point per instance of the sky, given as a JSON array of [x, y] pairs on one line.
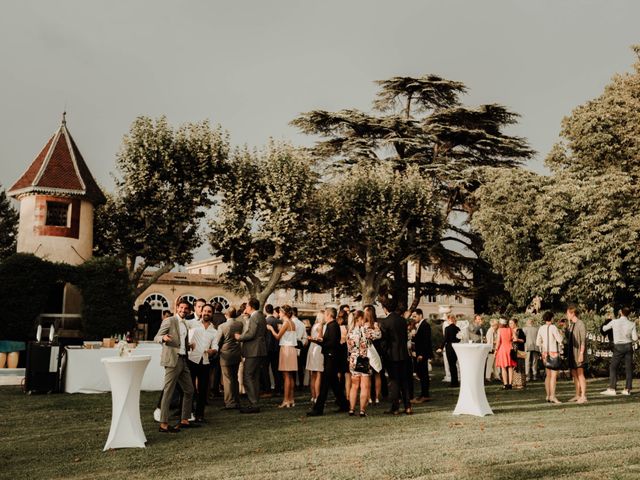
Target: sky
[[253, 66]]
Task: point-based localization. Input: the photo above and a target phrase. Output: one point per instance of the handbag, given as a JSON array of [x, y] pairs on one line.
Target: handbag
[[374, 358], [362, 365], [552, 363]]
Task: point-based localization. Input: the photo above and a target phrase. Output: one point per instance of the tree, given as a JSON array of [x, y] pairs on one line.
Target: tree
[[8, 227], [261, 228], [421, 122], [167, 182], [376, 218], [576, 232]]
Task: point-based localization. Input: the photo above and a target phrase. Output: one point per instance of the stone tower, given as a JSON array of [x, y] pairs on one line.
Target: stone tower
[[57, 195]]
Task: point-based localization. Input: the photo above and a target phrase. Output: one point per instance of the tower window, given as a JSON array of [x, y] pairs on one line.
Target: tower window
[[57, 214]]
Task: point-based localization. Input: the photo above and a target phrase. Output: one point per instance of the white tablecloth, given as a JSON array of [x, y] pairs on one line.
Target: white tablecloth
[[472, 399], [86, 374], [125, 376]]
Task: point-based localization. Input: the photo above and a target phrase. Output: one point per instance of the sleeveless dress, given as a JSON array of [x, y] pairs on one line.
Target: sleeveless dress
[[315, 359], [288, 358], [503, 354]]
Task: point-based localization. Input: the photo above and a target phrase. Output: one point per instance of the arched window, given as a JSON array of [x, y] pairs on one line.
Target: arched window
[[222, 301], [157, 301], [190, 298]]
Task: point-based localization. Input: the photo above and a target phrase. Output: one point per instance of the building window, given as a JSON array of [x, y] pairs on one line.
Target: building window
[[57, 214], [157, 302], [189, 298], [430, 298], [215, 270], [222, 301], [458, 299]]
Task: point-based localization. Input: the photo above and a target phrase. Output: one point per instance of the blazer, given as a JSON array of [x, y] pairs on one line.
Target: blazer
[[253, 336], [395, 337], [170, 349], [422, 341], [229, 347]]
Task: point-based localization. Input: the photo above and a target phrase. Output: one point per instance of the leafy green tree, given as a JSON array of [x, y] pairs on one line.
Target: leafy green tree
[[374, 219], [8, 227], [421, 122], [573, 236], [167, 183], [262, 226]]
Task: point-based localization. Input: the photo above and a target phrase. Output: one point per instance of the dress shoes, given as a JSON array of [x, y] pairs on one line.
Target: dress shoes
[[187, 425], [169, 429], [250, 410]]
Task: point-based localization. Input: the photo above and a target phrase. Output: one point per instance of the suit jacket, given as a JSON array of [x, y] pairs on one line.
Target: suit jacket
[[170, 349], [229, 346], [422, 340], [395, 337], [253, 336]]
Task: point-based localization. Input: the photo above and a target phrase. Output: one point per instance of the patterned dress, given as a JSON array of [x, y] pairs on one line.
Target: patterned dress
[[359, 340]]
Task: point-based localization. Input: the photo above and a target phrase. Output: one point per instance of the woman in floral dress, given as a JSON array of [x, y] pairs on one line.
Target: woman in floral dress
[[359, 340]]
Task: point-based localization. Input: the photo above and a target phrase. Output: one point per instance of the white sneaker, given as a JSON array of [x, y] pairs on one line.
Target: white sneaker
[[156, 414], [626, 392], [192, 418], [609, 392]]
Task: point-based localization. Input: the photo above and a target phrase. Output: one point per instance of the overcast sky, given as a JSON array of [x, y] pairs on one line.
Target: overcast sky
[[252, 66]]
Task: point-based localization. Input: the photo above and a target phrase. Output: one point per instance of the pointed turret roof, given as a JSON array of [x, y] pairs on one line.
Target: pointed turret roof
[[59, 169]]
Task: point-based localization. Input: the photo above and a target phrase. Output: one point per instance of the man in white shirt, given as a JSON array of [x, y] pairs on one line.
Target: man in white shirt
[[204, 338], [624, 334]]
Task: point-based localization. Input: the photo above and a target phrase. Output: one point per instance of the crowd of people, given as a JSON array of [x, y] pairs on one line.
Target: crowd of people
[[360, 357]]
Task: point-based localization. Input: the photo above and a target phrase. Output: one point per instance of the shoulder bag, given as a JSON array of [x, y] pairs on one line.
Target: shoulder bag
[[552, 363]]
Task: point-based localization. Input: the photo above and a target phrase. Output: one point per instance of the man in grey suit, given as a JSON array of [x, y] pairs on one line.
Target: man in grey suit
[[254, 349], [173, 335], [230, 359]]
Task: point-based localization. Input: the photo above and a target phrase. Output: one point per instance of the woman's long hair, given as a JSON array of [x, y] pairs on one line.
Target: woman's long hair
[[370, 316]]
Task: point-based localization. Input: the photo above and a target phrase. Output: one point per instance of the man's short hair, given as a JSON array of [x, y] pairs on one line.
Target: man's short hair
[[418, 311], [295, 311], [625, 311], [390, 304], [208, 305], [217, 307], [573, 309], [254, 303], [276, 309], [268, 308], [186, 302], [332, 312], [547, 316], [201, 300]]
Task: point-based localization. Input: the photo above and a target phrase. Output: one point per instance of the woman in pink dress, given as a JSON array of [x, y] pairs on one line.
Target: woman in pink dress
[[503, 353]]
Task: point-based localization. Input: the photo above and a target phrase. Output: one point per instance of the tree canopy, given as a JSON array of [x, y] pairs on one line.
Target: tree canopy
[[262, 225], [573, 236], [375, 218], [166, 184], [8, 226], [421, 122]]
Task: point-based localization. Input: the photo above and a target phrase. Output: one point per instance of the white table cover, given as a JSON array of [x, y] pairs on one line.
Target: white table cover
[[125, 375], [85, 374], [472, 399]]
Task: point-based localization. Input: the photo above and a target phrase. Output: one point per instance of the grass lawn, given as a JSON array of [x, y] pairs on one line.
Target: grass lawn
[[62, 436]]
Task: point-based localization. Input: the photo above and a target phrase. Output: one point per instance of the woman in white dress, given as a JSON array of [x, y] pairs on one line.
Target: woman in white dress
[[288, 359], [315, 359]]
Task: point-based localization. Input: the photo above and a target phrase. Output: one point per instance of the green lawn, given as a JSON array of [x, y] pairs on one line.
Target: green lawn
[[62, 436]]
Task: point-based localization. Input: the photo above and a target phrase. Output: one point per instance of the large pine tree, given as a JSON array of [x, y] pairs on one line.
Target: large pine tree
[[8, 226]]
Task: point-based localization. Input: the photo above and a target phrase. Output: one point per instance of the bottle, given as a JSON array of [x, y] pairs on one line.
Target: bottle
[[129, 337]]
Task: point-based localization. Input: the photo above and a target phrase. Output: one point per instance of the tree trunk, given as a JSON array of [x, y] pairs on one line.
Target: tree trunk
[[417, 288], [400, 287]]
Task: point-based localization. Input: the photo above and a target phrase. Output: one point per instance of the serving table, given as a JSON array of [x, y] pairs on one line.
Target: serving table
[[84, 372]]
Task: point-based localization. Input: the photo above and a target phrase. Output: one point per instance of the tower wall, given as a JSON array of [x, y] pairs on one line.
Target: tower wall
[[72, 243]]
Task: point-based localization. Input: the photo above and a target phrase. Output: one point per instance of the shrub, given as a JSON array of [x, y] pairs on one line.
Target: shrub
[[26, 283], [107, 298]]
